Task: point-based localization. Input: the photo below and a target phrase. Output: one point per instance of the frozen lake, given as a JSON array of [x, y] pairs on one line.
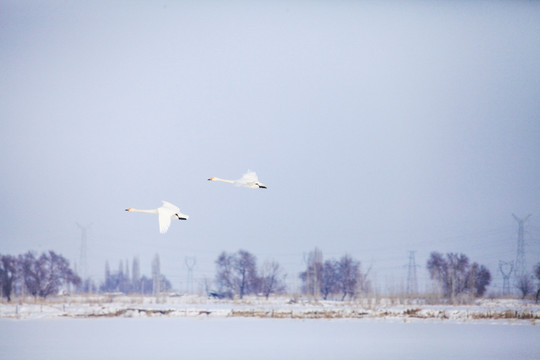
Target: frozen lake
[[248, 338]]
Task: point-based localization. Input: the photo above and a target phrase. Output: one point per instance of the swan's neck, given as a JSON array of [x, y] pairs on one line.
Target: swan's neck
[[223, 180], [153, 211]]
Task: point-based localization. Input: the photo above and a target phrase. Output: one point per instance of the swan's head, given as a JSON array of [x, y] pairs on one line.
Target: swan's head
[[128, 209], [211, 179], [260, 185]]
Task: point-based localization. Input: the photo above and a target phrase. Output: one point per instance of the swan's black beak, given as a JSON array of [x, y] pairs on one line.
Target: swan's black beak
[[262, 186]]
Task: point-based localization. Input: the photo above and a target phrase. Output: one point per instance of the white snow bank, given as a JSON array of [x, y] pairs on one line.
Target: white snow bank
[[100, 306]]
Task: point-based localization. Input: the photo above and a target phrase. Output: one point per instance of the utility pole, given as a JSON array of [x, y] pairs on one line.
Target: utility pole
[[412, 281], [506, 268], [520, 265], [190, 261]]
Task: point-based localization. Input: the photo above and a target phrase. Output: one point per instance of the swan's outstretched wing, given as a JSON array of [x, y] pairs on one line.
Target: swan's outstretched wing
[[248, 178], [164, 216], [165, 213], [169, 206]]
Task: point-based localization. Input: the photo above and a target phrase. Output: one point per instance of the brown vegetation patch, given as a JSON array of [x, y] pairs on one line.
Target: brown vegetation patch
[[126, 312], [507, 314]]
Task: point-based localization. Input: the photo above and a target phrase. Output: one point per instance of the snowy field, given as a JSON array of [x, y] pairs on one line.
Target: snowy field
[[253, 338], [119, 327]]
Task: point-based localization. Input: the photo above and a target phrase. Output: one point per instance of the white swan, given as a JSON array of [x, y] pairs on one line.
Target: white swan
[[249, 180], [165, 213]]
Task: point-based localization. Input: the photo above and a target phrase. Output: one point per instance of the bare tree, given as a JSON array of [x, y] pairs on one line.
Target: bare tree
[[45, 275], [349, 276], [524, 285], [329, 278], [364, 284], [478, 279], [342, 276], [272, 279], [245, 266], [8, 274], [456, 276], [312, 277], [224, 274], [30, 272]]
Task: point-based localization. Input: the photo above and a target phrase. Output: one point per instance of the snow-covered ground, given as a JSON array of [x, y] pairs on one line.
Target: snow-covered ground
[[191, 327], [509, 310], [254, 338]]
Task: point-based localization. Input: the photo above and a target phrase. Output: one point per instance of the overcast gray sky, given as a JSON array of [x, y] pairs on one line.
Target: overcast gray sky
[[378, 128]]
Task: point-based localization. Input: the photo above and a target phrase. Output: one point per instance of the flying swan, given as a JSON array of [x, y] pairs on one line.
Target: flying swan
[[249, 180], [165, 213]]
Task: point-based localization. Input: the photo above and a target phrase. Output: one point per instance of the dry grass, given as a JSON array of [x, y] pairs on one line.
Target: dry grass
[[118, 305]]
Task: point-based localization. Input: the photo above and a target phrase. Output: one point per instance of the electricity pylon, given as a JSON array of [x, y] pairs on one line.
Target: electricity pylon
[[520, 265], [83, 265], [412, 282], [506, 268]]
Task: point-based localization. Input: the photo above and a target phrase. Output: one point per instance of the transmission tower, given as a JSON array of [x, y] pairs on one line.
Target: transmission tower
[[506, 268], [190, 264], [83, 266], [520, 266], [412, 282]]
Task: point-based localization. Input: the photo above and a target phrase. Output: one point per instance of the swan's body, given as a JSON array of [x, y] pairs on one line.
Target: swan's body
[[249, 180], [165, 213]]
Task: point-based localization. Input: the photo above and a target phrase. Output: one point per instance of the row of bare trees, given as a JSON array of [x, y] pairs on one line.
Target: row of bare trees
[[333, 277], [41, 275], [49, 273], [457, 276], [238, 274]]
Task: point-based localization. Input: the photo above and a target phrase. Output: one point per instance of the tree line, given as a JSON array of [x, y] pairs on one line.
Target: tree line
[[39, 276], [50, 273], [456, 276], [341, 277], [238, 274]]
